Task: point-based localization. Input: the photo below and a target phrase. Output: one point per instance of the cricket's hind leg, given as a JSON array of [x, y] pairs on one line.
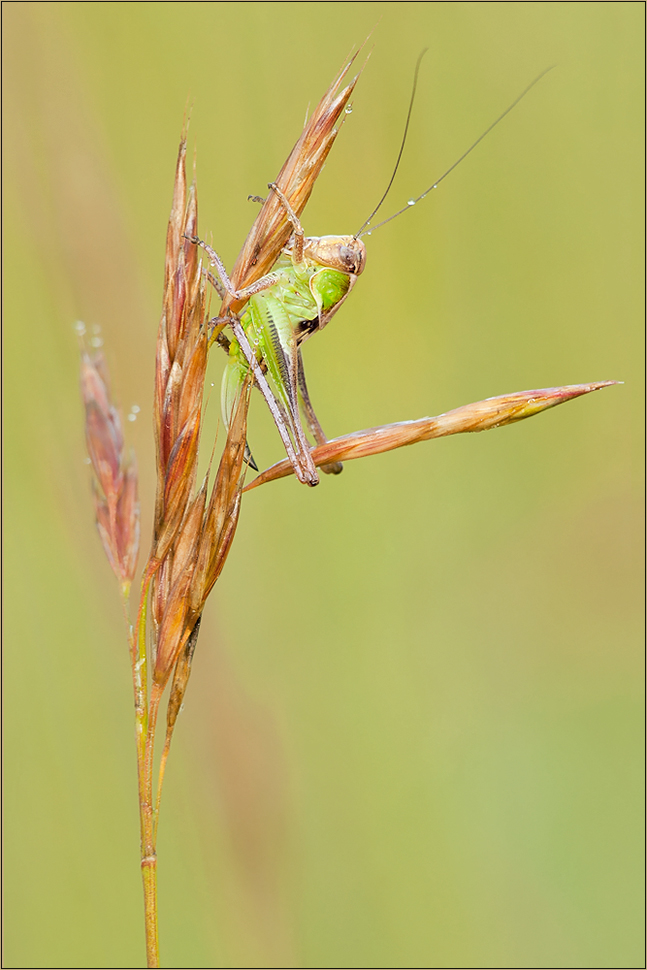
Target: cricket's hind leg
[[317, 432]]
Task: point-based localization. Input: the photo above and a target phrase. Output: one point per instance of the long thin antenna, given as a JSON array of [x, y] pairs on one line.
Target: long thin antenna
[[404, 138], [487, 131]]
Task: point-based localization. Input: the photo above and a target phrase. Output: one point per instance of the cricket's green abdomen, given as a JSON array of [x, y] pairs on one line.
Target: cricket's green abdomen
[[269, 326]]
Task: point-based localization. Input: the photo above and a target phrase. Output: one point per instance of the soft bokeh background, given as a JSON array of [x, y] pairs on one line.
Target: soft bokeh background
[[412, 736]]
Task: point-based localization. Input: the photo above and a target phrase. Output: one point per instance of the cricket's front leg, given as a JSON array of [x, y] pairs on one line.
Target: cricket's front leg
[[298, 232], [317, 432], [226, 286]]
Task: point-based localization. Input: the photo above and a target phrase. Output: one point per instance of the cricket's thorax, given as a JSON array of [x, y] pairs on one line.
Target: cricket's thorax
[[303, 294]]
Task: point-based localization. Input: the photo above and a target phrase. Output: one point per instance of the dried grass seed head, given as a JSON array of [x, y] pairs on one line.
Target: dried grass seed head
[[115, 486]]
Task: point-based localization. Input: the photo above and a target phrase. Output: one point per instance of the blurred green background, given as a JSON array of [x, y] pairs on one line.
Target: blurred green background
[[413, 732]]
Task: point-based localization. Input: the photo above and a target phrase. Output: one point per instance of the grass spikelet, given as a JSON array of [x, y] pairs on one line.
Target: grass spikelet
[[222, 513], [115, 486], [174, 603], [180, 364], [178, 482], [172, 632], [494, 412]]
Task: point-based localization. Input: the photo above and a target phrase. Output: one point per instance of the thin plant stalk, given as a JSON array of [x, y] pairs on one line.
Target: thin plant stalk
[[148, 860]]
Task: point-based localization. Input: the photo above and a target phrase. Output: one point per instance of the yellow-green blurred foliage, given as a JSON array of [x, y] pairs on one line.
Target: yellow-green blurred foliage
[[412, 734]]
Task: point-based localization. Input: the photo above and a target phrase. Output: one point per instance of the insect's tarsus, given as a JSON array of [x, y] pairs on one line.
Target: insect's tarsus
[[451, 168]]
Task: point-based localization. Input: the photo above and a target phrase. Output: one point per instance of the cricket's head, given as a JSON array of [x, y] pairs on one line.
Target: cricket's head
[[343, 253]]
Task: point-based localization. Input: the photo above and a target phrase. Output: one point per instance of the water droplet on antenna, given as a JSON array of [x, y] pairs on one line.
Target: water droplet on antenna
[[411, 202]]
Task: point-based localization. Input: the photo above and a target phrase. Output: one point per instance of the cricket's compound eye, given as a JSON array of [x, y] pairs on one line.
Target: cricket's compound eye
[[354, 256]]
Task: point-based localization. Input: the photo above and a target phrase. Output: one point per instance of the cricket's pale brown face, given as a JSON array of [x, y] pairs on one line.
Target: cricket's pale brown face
[[344, 253]]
